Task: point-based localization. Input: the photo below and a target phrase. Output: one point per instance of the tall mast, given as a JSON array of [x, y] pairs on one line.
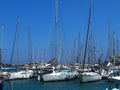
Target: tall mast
[[18, 33], [56, 41], [88, 32], [15, 38]]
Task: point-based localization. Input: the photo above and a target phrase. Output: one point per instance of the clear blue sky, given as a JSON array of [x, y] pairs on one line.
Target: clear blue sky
[[72, 16]]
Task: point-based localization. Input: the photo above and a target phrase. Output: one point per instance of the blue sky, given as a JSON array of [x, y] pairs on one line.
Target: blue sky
[[72, 16]]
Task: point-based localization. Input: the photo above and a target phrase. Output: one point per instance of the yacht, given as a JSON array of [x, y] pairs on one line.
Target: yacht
[[57, 75]]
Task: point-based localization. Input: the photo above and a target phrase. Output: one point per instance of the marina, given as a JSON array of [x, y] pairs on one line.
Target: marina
[[59, 79], [63, 57]]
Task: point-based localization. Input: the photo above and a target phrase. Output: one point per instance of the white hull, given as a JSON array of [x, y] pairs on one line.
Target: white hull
[[89, 77], [20, 75], [57, 76], [53, 77], [116, 78]]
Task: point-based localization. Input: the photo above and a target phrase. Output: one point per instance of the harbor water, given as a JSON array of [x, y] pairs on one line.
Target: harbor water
[[33, 84]]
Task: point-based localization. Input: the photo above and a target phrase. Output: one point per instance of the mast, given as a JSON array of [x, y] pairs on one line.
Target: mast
[[18, 33], [42, 56], [94, 49], [114, 45], [62, 45], [29, 46], [74, 48], [91, 46], [2, 44], [109, 41], [53, 50], [33, 56], [56, 39], [89, 53], [88, 32], [78, 56], [117, 46], [94, 52], [14, 42]]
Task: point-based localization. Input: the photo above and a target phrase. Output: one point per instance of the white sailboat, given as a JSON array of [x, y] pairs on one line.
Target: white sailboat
[[88, 76], [115, 75], [22, 74], [57, 76]]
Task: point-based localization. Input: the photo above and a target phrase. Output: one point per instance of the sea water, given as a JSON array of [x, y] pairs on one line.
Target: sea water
[[33, 84]]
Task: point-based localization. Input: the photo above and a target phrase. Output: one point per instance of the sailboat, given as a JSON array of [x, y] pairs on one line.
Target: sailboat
[[115, 75], [57, 74], [19, 74], [88, 76]]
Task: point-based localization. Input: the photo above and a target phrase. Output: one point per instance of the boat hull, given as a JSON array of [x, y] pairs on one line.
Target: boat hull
[[19, 75], [89, 77], [116, 78], [57, 76], [53, 77]]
